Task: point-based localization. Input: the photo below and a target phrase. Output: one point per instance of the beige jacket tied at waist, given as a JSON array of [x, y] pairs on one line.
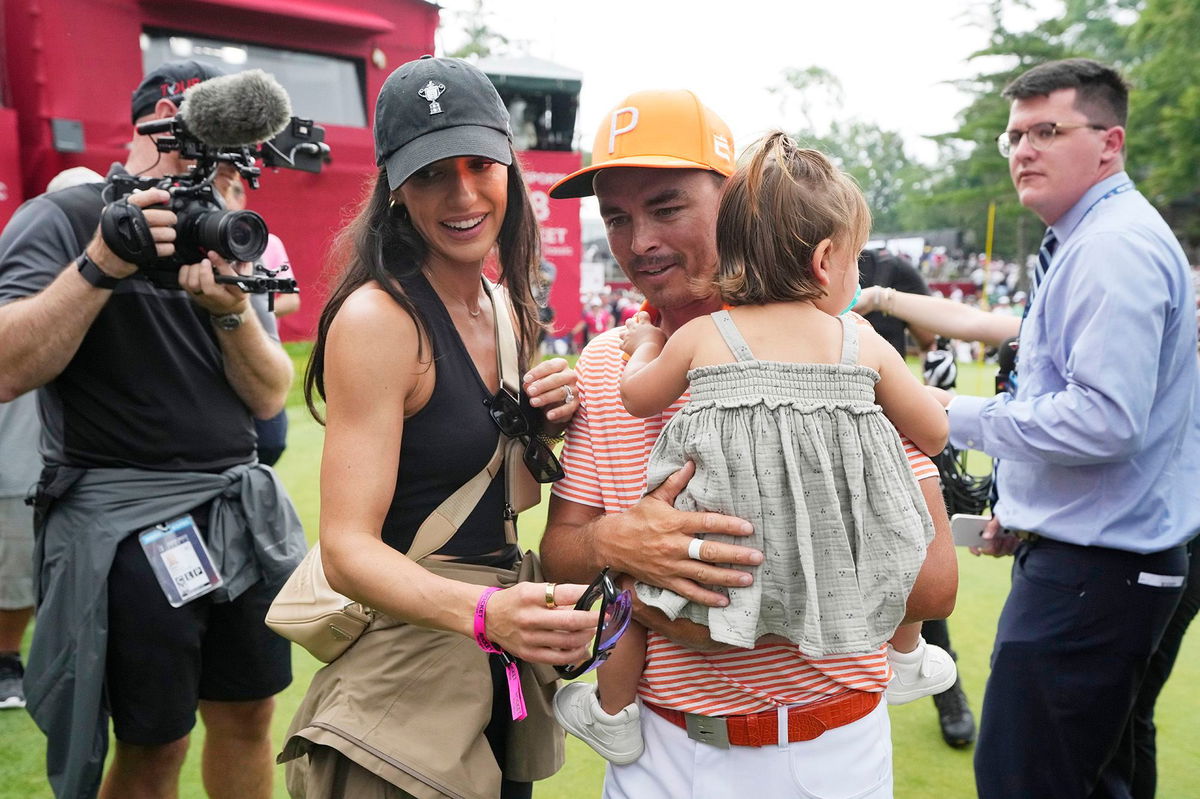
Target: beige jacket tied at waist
[[409, 704]]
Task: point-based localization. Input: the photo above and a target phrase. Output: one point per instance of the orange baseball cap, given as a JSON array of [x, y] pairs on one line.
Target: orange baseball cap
[[657, 129]]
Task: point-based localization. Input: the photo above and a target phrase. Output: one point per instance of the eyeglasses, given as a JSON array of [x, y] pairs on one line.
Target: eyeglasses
[[510, 417], [616, 609], [1041, 136]]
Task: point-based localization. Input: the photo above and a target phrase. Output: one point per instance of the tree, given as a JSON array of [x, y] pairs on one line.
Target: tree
[[974, 174], [482, 39], [969, 173], [814, 87], [1164, 149], [874, 156]]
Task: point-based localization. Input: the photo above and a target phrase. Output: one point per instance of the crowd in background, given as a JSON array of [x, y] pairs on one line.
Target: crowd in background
[[601, 311]]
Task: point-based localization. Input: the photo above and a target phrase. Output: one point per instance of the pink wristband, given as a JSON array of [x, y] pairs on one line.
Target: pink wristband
[[481, 621], [515, 696]]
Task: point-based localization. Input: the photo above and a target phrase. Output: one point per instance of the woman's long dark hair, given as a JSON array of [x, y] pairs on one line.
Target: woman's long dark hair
[[381, 244]]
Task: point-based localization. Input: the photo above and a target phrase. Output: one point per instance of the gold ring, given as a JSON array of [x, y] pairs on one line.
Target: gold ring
[[550, 603], [198, 293]]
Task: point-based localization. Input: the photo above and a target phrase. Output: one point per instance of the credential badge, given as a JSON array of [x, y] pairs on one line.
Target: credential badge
[[431, 91]]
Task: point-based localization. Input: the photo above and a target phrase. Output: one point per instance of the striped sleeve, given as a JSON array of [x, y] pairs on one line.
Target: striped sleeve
[[582, 481], [923, 468]]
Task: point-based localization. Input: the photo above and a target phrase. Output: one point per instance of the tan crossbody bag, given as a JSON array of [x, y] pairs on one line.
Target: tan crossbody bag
[[307, 611]]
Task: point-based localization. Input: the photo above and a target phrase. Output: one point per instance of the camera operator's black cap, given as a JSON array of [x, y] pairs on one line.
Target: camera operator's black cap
[[168, 82], [435, 108]]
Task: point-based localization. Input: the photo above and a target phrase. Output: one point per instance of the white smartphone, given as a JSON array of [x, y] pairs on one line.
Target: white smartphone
[[967, 529]]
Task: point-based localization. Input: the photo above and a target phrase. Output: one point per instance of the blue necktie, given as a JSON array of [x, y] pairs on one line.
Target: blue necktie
[[1049, 245]]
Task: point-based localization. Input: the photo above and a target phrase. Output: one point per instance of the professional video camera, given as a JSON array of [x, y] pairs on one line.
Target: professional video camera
[[222, 121]]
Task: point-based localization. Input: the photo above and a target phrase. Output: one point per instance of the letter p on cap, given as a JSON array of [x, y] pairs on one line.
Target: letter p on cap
[[614, 131]]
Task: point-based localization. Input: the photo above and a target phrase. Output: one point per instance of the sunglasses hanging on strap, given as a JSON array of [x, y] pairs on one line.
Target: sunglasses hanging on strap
[[528, 460]]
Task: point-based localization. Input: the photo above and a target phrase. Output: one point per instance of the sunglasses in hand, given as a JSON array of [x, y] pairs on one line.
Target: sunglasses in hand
[[616, 609], [513, 421]]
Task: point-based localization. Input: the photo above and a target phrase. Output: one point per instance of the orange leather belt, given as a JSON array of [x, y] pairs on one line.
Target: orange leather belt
[[804, 723]]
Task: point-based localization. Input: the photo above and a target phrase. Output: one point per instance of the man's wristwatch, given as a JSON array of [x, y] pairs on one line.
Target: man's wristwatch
[[229, 321], [93, 274]]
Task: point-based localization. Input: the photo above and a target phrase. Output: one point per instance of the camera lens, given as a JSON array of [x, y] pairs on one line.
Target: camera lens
[[245, 233], [237, 235]]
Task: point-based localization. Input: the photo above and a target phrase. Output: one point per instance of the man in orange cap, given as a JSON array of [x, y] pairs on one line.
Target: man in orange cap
[[764, 720]]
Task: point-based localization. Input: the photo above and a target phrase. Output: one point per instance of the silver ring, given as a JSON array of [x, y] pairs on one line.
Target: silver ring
[[570, 395], [694, 549]]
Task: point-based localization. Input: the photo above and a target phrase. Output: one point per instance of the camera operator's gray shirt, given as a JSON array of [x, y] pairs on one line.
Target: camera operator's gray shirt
[[147, 387], [19, 459], [31, 247]]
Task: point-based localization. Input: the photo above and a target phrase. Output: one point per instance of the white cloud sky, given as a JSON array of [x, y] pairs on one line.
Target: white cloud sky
[[894, 59]]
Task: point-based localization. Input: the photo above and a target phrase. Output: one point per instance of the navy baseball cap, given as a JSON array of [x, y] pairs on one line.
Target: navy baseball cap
[[435, 108], [168, 82]]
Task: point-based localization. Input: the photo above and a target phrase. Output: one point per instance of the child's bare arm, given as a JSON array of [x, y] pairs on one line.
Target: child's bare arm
[[656, 374], [912, 409]]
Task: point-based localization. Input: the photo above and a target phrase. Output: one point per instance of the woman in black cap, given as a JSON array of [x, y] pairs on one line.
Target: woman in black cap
[[406, 361]]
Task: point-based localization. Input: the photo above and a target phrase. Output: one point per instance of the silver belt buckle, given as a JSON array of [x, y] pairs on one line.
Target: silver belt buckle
[[710, 730]]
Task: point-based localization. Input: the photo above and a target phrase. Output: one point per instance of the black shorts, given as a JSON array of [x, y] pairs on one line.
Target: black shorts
[[162, 660]]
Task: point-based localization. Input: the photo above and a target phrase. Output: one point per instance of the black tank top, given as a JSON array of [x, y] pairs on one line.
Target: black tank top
[[446, 443]]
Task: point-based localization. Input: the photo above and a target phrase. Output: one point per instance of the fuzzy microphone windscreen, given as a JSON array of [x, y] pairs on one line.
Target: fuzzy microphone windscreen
[[236, 110]]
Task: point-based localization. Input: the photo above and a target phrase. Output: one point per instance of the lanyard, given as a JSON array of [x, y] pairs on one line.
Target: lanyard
[[1113, 192]]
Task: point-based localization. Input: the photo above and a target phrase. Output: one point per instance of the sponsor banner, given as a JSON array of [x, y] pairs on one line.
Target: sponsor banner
[[559, 221]]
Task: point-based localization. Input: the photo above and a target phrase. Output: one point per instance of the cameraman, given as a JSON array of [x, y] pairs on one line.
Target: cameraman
[[148, 395]]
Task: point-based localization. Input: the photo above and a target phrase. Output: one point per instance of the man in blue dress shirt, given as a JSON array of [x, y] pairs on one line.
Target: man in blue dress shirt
[[1099, 449]]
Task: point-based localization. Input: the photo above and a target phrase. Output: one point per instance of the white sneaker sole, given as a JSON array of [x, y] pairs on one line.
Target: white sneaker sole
[[12, 703]]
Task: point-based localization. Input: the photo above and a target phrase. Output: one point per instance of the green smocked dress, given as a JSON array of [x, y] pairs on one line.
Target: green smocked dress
[[802, 452]]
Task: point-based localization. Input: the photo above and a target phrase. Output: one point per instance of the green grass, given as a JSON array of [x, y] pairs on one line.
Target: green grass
[[925, 767]]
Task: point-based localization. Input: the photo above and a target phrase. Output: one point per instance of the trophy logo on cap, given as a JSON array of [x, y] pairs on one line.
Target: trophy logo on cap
[[432, 91]]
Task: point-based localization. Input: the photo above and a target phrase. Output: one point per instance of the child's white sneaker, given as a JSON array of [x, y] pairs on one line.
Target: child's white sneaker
[[617, 738], [925, 671]]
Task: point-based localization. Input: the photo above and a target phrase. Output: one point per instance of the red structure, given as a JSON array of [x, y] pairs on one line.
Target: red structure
[[543, 99], [69, 66], [560, 230]]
